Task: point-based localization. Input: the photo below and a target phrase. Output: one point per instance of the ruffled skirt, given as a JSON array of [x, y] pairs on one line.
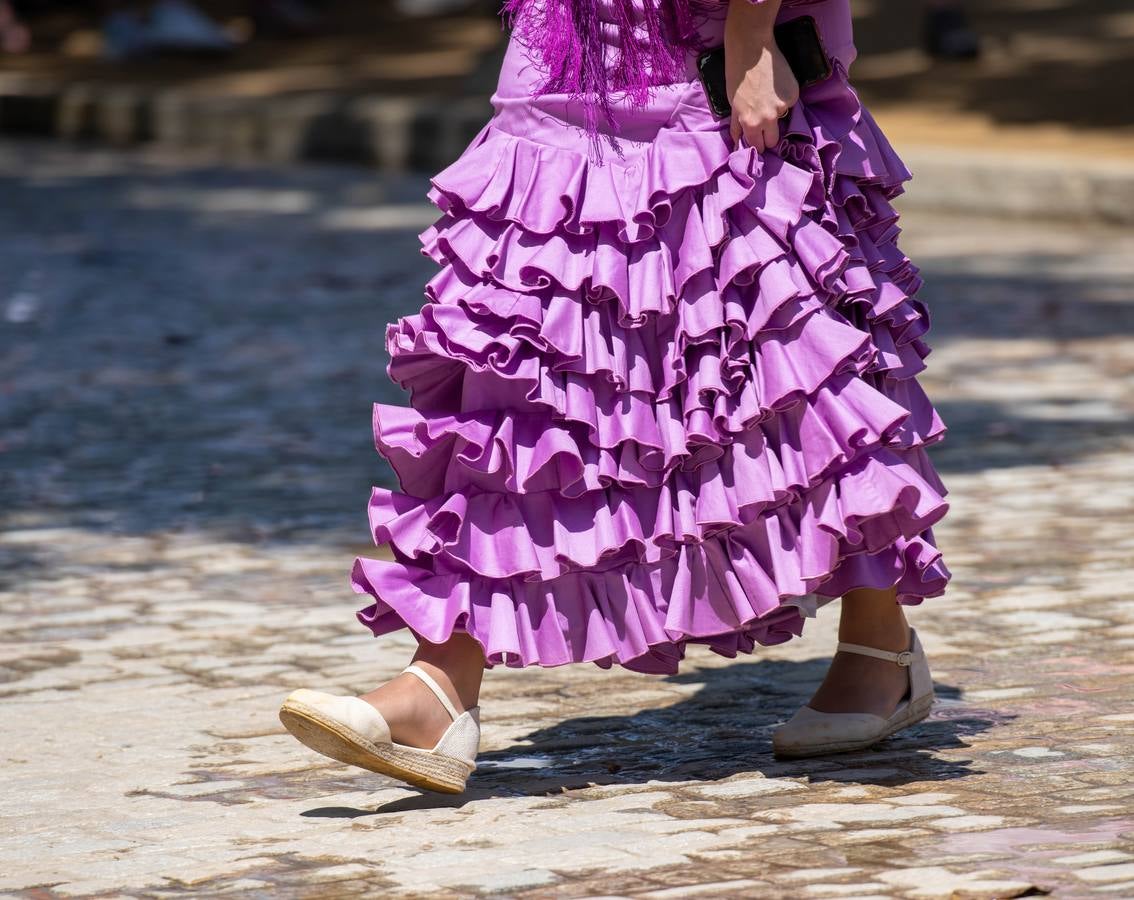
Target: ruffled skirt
[[670, 398]]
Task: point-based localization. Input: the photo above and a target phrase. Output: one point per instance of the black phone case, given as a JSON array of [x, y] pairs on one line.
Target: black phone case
[[798, 40]]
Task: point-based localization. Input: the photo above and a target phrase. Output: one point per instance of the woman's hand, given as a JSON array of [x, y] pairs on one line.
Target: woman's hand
[[758, 80]]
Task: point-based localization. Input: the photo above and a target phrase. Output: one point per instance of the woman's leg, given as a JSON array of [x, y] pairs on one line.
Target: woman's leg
[[413, 713], [858, 683]]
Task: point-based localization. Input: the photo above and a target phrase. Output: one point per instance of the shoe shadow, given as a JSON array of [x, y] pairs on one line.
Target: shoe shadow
[[722, 730]]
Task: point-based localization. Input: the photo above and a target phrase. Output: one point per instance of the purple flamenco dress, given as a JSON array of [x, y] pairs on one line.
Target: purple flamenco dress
[[662, 398]]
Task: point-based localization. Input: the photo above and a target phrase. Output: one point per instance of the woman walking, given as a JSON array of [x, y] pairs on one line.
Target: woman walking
[[663, 389]]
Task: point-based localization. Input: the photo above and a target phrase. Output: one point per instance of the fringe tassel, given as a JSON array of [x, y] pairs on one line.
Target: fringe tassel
[[566, 35]]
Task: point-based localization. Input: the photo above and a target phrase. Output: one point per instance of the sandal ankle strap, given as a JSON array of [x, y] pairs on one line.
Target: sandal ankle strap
[[902, 658], [432, 684]]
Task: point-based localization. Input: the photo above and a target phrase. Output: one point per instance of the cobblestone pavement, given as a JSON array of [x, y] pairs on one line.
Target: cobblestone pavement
[[187, 362]]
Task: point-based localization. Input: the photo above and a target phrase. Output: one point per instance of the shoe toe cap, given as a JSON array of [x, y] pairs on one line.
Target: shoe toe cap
[[353, 712], [811, 727]]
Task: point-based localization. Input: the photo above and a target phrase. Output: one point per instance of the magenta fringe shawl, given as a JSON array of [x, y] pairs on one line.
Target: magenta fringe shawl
[[565, 34]]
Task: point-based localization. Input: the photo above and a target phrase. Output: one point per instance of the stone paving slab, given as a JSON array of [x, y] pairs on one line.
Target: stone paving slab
[[187, 357]]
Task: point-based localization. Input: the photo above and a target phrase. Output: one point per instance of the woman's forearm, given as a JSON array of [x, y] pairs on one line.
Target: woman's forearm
[[758, 80]]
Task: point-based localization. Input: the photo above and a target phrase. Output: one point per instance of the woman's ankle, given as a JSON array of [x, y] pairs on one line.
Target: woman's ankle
[[457, 665], [874, 618]]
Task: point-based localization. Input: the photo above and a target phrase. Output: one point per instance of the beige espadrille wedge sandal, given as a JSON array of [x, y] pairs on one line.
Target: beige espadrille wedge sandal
[[352, 731], [813, 733]]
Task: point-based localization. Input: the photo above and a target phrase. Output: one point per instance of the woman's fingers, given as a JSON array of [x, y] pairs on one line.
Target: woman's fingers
[[752, 136], [771, 133], [761, 134]]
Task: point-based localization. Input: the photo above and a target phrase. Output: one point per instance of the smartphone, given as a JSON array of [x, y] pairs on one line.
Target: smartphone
[[798, 40]]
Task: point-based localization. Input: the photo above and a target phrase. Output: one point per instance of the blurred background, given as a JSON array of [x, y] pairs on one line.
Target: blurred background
[[318, 78]]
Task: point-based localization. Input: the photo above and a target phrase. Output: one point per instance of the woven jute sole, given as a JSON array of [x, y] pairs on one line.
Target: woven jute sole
[[420, 768], [915, 712]]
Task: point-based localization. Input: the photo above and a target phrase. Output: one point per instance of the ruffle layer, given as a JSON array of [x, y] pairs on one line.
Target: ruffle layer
[[525, 452], [541, 535], [734, 590], [723, 391], [490, 270], [658, 401], [505, 177], [850, 254]]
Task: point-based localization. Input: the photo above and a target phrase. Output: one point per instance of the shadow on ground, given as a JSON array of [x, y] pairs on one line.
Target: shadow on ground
[[722, 730]]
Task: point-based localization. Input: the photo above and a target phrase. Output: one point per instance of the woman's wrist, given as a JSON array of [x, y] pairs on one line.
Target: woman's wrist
[[750, 21]]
